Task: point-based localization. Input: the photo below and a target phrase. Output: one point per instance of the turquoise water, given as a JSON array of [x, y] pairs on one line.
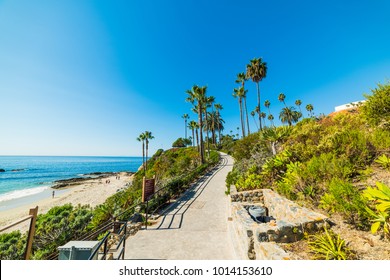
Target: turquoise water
[[30, 175]]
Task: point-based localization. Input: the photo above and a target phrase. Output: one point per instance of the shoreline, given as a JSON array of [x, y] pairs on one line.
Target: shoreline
[[92, 191]]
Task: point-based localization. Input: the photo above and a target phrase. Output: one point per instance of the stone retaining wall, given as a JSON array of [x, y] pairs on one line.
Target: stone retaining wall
[[260, 239]]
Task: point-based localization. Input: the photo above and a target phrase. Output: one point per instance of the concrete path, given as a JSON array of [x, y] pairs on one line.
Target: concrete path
[[194, 228]]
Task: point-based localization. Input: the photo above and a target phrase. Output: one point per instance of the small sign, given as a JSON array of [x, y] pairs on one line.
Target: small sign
[[147, 189]]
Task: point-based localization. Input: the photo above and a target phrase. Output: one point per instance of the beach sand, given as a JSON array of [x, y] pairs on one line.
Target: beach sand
[[91, 191]]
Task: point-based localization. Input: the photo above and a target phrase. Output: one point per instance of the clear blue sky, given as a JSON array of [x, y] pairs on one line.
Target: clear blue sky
[[87, 77]]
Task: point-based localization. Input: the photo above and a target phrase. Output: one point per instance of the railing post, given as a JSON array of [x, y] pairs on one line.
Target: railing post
[[105, 250], [146, 214], [124, 241], [33, 212]]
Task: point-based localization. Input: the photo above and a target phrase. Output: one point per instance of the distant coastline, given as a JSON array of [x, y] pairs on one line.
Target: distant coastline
[[89, 190], [28, 178]]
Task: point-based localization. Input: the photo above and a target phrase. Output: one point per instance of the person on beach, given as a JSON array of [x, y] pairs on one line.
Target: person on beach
[[52, 194]]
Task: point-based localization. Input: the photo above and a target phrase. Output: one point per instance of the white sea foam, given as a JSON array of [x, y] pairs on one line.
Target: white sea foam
[[21, 193]]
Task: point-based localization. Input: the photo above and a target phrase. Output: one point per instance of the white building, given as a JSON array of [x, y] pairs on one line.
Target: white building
[[349, 105]]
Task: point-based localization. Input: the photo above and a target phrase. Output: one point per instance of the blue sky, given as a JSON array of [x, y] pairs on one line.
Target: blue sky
[[87, 77]]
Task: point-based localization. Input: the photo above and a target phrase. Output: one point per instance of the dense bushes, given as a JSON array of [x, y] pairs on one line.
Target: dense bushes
[[377, 108], [321, 162]]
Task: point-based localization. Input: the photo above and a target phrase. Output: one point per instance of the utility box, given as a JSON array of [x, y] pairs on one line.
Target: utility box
[[78, 250]]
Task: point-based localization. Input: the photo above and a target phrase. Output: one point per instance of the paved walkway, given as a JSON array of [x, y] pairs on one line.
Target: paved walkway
[[194, 228]]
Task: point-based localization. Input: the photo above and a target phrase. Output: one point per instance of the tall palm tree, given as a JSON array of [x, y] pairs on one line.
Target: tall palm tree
[[289, 115], [141, 138], [257, 71], [298, 102], [197, 96], [309, 108], [267, 104], [185, 117], [239, 93], [193, 125], [271, 119], [253, 116], [218, 107], [215, 124], [209, 103], [148, 136], [241, 79], [281, 98], [263, 116]]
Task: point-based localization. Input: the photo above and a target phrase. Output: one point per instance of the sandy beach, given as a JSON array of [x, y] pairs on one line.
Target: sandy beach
[[92, 191]]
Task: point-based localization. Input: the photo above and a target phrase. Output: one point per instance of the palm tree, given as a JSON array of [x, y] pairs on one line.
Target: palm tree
[[241, 79], [193, 125], [217, 108], [257, 71], [215, 124], [141, 138], [298, 102], [309, 108], [240, 92], [263, 115], [253, 116], [209, 103], [185, 117], [289, 115], [281, 98], [271, 119], [267, 104], [148, 136], [275, 135], [197, 96]]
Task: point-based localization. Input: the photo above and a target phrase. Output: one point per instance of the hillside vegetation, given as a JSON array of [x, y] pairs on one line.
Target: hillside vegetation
[[338, 164]]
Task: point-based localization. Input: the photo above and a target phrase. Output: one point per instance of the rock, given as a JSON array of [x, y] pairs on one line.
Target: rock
[[2, 170], [136, 218]]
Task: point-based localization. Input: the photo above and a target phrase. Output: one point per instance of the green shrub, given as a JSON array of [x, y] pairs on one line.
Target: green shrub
[[376, 109], [346, 199], [353, 144], [12, 245]]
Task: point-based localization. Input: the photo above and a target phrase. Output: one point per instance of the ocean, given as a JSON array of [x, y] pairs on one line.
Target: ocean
[[28, 176]]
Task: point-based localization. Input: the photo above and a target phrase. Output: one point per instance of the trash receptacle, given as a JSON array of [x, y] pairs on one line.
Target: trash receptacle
[[77, 250]]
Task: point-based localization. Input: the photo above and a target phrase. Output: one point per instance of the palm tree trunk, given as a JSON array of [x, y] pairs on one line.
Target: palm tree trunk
[[197, 140], [255, 123], [207, 131], [193, 138], [143, 155], [219, 128], [247, 118], [241, 117], [146, 158], [200, 120], [185, 128], [258, 103]]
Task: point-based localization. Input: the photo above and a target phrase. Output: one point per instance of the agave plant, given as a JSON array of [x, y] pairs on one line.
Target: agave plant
[[384, 161], [381, 217], [329, 246]]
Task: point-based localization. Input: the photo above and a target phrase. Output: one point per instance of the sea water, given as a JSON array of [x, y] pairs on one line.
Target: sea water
[[27, 176]]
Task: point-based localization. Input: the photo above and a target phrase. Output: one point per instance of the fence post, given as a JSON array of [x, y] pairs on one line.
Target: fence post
[[31, 232], [124, 241], [146, 214]]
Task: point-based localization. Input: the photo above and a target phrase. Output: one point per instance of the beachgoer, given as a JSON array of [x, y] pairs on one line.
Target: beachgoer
[[52, 194]]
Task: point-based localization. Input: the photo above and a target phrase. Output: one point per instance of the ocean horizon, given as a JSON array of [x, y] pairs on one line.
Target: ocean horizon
[[26, 177]]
